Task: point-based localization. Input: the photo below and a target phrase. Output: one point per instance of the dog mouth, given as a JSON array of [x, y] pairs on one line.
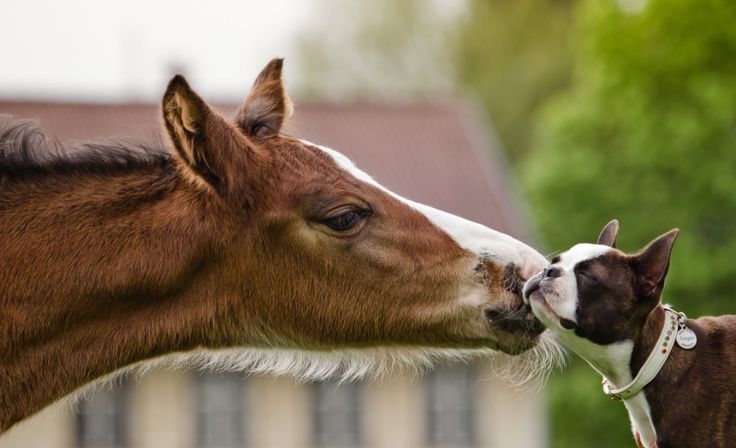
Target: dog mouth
[[532, 292], [539, 298]]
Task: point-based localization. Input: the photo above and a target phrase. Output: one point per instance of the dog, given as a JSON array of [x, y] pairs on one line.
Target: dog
[[676, 377]]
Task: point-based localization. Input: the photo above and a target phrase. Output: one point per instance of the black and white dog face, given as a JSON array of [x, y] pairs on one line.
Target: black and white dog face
[[594, 293]]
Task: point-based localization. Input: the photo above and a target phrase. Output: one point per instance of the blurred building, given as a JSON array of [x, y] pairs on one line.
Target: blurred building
[[437, 154]]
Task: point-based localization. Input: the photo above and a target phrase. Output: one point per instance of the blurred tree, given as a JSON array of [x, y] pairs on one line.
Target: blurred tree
[[513, 55], [379, 49], [647, 134]]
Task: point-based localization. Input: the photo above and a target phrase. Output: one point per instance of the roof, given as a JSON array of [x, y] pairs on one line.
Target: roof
[[437, 154]]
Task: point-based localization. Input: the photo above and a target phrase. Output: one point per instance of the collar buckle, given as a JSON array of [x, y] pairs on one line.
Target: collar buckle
[[608, 390]]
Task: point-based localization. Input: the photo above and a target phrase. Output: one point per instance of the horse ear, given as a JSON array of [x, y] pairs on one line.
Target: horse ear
[[609, 233], [263, 112], [194, 128], [653, 262]]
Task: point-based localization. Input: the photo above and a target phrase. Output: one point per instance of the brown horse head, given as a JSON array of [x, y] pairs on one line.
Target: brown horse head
[[242, 247], [315, 254]]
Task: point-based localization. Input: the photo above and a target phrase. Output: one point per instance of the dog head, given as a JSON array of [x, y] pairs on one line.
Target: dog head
[[596, 293]]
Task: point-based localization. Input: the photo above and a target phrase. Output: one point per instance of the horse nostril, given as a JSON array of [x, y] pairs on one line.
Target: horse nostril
[[553, 272]]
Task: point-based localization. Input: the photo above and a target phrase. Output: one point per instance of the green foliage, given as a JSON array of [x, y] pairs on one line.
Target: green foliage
[[581, 416], [646, 134]]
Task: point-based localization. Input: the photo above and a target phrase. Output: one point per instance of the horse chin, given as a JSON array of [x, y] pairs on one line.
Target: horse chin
[[518, 343], [513, 324], [508, 320]]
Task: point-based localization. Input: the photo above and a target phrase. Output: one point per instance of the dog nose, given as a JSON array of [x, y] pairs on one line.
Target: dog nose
[[552, 272]]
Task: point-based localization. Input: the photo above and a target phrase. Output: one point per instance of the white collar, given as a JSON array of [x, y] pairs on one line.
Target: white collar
[[657, 357]]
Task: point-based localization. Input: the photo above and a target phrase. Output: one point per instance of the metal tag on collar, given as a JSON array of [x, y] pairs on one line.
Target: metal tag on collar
[[685, 338]]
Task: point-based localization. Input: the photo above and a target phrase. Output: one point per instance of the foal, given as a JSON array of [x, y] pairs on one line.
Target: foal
[[240, 239]]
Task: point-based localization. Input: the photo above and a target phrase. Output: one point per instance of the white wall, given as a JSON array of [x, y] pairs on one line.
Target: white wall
[[393, 415]]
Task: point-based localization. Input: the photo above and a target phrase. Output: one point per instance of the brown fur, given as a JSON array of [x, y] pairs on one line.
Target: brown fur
[[224, 244], [693, 399]]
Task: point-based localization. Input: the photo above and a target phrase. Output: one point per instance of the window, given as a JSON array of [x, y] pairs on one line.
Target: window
[[220, 413], [450, 406], [336, 414], [102, 420]]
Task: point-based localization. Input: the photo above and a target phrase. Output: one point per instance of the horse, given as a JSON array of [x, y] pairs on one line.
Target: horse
[[236, 246]]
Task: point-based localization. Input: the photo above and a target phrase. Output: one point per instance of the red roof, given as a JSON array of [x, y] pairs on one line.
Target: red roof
[[437, 154]]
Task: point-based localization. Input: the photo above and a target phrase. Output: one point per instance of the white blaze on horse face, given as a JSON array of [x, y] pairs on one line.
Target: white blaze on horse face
[[474, 237]]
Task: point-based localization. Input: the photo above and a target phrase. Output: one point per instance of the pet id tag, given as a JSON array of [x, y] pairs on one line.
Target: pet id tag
[[686, 338]]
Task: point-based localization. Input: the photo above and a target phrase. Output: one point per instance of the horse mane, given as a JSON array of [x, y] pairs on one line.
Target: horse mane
[[26, 150]]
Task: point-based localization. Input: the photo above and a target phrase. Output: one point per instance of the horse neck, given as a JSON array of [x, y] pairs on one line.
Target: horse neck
[[96, 276]]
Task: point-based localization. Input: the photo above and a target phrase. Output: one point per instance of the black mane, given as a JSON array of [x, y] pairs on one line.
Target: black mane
[[26, 150]]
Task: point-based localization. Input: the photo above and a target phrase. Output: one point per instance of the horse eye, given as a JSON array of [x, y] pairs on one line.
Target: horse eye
[[345, 221]]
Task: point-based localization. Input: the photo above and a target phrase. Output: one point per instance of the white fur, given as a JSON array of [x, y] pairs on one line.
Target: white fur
[[566, 302], [641, 418], [469, 235], [531, 367]]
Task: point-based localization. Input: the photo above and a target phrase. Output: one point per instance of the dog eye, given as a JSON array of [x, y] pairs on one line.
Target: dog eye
[[345, 220], [588, 276]]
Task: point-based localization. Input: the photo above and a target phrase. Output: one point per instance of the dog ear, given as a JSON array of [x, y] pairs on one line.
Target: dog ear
[[264, 111], [653, 262], [609, 233]]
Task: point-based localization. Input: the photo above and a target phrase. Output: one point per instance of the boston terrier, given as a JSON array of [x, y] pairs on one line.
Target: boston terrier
[[676, 377]]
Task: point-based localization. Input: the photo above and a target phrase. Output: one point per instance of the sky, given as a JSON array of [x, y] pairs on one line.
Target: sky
[[94, 50]]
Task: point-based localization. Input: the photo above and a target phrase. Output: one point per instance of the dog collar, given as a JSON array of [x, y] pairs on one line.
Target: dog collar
[[657, 357]]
